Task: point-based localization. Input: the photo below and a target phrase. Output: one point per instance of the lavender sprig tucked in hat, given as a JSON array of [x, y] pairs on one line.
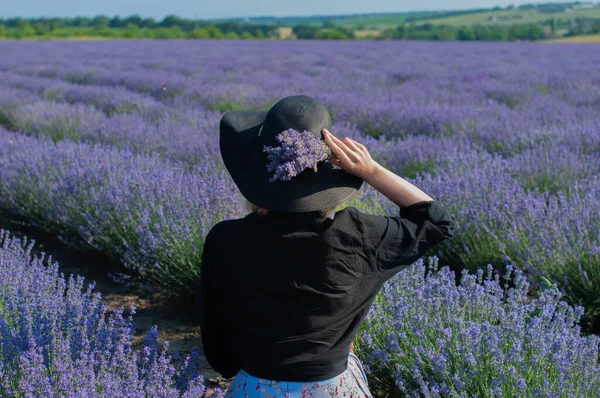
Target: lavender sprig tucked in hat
[[298, 151]]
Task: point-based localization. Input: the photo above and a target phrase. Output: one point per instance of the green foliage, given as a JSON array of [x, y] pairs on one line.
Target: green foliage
[[405, 27], [413, 168], [428, 31], [199, 33], [214, 32], [133, 27], [584, 26], [331, 35], [232, 36], [305, 31]]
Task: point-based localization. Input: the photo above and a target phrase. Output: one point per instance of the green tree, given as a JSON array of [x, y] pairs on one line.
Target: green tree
[[132, 31], [168, 33], [100, 21], [148, 23], [400, 32], [115, 22], [465, 33], [553, 25], [444, 34], [331, 35], [24, 29], [200, 33], [170, 21], [40, 29], [214, 32], [231, 35], [133, 20], [534, 32], [102, 31], [305, 31], [80, 22], [480, 32]]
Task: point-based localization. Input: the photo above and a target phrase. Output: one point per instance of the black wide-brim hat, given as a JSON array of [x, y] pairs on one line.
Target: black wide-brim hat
[[243, 135]]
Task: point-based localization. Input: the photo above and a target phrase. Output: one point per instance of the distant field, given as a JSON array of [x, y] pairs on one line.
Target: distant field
[[579, 39], [513, 16], [507, 17], [284, 33], [366, 33], [373, 22]]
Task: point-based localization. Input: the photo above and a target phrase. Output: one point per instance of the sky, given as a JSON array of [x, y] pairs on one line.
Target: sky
[[206, 9]]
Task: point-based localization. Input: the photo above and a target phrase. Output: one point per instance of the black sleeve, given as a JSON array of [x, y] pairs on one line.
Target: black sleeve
[[214, 337], [394, 243]]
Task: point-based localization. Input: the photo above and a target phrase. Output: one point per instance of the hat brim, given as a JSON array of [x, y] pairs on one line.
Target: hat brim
[[243, 156]]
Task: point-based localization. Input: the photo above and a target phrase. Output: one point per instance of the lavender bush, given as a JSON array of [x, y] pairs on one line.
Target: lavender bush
[[555, 235], [57, 338], [178, 134], [506, 134], [150, 213], [427, 336]]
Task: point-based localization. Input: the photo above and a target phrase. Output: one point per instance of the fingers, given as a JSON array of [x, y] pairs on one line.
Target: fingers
[[338, 147], [358, 144], [351, 143], [348, 142], [336, 162], [342, 144]]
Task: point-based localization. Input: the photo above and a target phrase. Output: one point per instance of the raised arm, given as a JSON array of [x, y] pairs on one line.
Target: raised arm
[[393, 243], [353, 157]]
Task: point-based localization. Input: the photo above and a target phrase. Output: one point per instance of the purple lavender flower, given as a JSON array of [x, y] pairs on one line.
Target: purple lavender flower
[[58, 339], [298, 151], [461, 337]]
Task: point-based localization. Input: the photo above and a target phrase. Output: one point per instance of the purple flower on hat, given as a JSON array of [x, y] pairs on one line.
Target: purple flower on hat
[[298, 151]]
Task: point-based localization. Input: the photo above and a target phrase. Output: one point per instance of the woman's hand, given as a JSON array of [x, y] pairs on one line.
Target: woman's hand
[[355, 159], [350, 156]]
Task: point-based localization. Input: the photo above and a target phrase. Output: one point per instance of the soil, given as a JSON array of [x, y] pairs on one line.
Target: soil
[[156, 308]]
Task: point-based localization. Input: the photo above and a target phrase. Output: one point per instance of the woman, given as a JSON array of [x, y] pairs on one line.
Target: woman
[[284, 289]]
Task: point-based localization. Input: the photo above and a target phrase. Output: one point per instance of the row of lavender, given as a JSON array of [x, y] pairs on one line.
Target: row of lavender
[[425, 336], [153, 213], [498, 95], [508, 137], [503, 98], [57, 338], [150, 213], [538, 121]]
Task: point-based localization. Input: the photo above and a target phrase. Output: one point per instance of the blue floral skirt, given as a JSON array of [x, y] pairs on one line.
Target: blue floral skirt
[[352, 383]]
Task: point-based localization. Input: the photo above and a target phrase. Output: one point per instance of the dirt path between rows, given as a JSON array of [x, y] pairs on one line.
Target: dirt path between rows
[[174, 326]]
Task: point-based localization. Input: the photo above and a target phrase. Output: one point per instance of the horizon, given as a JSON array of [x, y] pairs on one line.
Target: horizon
[[349, 9]]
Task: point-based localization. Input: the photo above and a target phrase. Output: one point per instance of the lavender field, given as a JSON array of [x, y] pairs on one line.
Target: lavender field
[[113, 147]]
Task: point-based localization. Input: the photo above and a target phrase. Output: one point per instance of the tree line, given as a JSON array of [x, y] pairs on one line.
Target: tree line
[[133, 27], [585, 26], [172, 27], [429, 31]]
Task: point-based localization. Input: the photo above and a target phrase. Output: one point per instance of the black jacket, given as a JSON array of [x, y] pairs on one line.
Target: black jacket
[[282, 295]]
